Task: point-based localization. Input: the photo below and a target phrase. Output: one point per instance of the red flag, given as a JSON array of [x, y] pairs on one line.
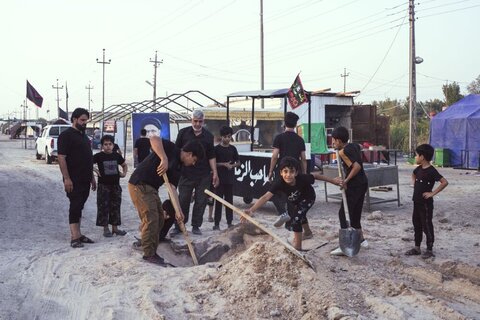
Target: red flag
[[33, 95], [296, 95]]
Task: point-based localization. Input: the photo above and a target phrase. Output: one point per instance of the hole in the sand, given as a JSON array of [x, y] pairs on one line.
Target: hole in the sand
[[210, 249]]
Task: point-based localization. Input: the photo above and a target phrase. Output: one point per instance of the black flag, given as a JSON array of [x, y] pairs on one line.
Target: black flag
[[296, 95], [62, 114], [33, 95]]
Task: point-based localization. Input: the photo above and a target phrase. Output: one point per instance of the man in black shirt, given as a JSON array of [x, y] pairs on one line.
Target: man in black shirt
[[142, 147], [197, 178], [76, 165], [145, 181]]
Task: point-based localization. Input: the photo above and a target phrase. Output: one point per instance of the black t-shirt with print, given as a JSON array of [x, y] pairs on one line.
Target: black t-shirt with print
[[302, 190], [226, 154], [425, 178], [108, 167], [349, 155], [146, 171], [75, 146]]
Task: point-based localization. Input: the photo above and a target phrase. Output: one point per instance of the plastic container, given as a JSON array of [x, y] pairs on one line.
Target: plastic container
[[442, 157]]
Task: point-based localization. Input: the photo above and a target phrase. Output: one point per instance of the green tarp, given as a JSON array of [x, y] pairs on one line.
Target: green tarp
[[318, 138]]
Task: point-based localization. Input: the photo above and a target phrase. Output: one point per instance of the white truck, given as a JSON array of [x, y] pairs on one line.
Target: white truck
[[46, 143]]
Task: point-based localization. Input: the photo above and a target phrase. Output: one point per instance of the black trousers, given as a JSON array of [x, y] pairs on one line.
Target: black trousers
[[355, 197], [224, 191], [186, 186], [77, 197], [422, 223]]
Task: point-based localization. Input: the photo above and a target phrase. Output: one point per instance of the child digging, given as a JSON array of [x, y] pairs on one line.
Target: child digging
[[355, 183], [424, 177], [300, 195], [109, 192]]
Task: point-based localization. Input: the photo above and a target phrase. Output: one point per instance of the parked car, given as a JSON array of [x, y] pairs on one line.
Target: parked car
[[46, 143]]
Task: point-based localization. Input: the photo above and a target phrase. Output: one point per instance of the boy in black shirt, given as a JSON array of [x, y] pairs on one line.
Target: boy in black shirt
[[227, 159], [424, 177], [109, 192], [300, 195], [355, 182]]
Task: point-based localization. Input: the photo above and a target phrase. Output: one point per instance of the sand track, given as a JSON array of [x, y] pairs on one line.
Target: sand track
[[244, 275]]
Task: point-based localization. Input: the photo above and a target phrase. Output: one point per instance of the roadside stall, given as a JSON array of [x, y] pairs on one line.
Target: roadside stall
[[323, 108]]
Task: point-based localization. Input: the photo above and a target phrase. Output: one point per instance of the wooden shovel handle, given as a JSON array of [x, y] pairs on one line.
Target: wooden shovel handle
[[253, 221], [340, 173], [181, 225]]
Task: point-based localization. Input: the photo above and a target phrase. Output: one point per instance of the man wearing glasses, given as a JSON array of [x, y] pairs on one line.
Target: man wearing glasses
[[195, 179]]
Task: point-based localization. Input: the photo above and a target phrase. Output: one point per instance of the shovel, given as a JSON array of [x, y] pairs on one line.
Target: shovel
[[261, 227], [349, 238]]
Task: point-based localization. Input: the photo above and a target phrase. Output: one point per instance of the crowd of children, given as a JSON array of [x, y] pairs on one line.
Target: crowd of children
[[291, 182]]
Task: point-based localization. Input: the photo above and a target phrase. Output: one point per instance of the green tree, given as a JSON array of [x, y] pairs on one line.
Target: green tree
[[396, 109], [474, 86], [452, 93]]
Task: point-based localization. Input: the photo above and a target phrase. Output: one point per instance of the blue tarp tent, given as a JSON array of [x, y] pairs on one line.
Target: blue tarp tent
[[458, 128]]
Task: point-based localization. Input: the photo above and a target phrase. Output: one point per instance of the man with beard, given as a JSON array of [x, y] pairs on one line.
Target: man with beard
[[76, 165]]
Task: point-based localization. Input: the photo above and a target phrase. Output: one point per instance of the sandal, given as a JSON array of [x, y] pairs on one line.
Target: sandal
[[413, 252], [119, 232], [76, 243], [85, 239]]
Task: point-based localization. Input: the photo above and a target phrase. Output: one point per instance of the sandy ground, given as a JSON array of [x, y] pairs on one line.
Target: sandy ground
[[41, 277]]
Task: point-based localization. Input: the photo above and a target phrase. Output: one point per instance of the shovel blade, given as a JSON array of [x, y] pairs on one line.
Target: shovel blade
[[350, 239]]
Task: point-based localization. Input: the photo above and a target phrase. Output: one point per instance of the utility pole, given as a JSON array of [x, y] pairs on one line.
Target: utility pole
[[155, 65], [103, 62], [413, 82], [262, 66], [24, 106], [58, 95], [89, 87], [344, 76], [66, 98]]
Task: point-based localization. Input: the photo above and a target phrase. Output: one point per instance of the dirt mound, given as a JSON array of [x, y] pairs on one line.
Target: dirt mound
[[268, 279]]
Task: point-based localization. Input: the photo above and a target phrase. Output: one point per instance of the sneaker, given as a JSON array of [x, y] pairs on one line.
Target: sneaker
[[196, 230], [119, 232], [216, 227], [307, 235], [175, 232], [364, 244], [428, 254], [155, 259], [337, 252], [284, 217], [137, 245]]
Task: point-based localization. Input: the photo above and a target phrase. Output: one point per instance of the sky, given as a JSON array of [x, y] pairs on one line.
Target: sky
[[214, 46]]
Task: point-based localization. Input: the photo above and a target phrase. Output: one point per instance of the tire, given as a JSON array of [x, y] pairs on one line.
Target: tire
[[38, 156], [247, 200], [48, 158]]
